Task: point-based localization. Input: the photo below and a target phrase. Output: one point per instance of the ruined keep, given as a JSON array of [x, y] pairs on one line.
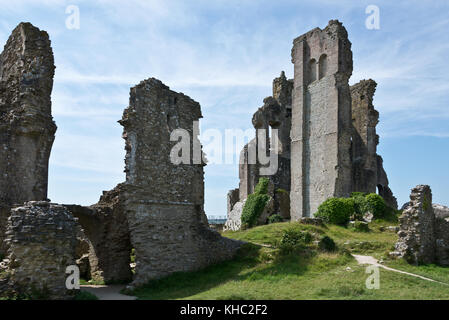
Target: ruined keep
[[423, 231], [321, 119], [41, 245], [164, 201], [327, 131], [26, 125]]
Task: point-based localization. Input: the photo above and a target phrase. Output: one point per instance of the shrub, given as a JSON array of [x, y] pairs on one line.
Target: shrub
[[275, 218], [336, 210], [84, 295], [376, 205], [357, 194], [262, 186], [327, 244], [255, 203], [361, 226], [360, 205], [293, 239]]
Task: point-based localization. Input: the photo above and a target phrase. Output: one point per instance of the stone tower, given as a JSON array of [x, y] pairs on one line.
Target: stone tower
[[321, 119], [27, 128]]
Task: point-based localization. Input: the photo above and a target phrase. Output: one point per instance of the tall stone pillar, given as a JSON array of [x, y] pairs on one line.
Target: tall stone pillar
[[27, 128], [321, 119]]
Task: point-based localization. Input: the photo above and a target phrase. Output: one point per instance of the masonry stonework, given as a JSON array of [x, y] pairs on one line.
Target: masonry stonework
[[106, 227], [368, 173], [424, 229], [328, 139], [275, 114], [26, 125], [321, 119], [164, 202], [41, 245]]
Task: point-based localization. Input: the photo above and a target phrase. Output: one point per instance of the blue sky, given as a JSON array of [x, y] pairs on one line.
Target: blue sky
[[224, 54]]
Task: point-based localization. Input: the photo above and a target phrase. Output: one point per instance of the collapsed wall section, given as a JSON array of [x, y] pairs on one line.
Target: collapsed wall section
[[26, 125], [41, 244], [164, 201], [274, 114], [106, 227], [368, 173], [321, 119]]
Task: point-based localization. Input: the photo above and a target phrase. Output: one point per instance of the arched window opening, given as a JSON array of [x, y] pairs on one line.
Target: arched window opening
[[322, 66], [312, 70]]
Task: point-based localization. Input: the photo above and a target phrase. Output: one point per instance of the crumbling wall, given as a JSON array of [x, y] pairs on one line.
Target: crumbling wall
[[368, 173], [106, 227], [321, 119], [26, 126], [164, 201], [274, 114], [417, 231], [441, 234], [41, 245]]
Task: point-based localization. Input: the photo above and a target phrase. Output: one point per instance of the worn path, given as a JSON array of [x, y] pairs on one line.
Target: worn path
[[372, 261], [107, 292]]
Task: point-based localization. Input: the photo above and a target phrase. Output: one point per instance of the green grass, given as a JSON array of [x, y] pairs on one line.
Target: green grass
[[84, 295], [261, 272]]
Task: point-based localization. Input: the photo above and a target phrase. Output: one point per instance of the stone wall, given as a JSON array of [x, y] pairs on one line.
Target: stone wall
[[106, 227], [41, 245], [165, 201], [368, 173], [321, 119], [26, 125], [441, 234], [274, 114], [424, 229]]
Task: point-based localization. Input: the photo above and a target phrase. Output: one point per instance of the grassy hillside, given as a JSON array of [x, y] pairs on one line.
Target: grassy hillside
[[260, 271]]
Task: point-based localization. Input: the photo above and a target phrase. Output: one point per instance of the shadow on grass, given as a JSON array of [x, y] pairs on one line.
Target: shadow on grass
[[185, 284]]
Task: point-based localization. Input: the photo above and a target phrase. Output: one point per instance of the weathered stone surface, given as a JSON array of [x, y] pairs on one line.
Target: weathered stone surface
[[41, 244], [283, 199], [368, 173], [26, 125], [232, 197], [417, 228], [313, 221], [441, 234], [321, 119], [106, 227], [274, 114], [164, 201], [234, 221], [424, 230]]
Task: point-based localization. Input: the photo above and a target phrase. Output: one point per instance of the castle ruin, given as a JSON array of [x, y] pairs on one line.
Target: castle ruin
[[327, 133], [326, 146], [158, 210]]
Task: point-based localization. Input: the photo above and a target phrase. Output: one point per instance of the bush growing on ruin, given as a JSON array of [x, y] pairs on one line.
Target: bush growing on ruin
[[275, 218], [336, 210], [293, 239], [255, 204], [361, 226], [262, 186], [360, 205], [327, 244], [376, 205]]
